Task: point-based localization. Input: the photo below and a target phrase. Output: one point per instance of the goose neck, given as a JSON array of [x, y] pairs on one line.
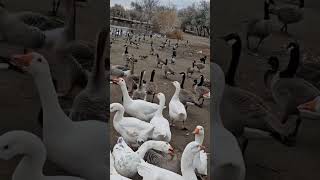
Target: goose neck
[[293, 65], [145, 147], [125, 94], [160, 109], [152, 76], [199, 138], [187, 169], [183, 80], [236, 52], [266, 11], [32, 163], [54, 117], [176, 93]]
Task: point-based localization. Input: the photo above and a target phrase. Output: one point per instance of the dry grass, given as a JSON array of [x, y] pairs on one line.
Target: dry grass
[[176, 34]]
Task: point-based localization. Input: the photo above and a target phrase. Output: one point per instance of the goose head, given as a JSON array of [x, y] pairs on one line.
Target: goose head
[[292, 45], [33, 63], [120, 146], [199, 130], [116, 107], [176, 84], [161, 146], [15, 143], [161, 96], [231, 38], [119, 81]]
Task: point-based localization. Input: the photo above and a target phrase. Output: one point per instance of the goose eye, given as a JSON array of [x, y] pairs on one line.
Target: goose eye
[[39, 60]]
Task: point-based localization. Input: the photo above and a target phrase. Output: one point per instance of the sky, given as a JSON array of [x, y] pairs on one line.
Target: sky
[[178, 3]]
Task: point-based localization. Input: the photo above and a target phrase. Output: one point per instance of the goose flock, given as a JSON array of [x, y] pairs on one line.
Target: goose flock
[[152, 110], [239, 112]]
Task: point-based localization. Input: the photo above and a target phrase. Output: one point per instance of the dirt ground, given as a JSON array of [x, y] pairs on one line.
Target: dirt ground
[[19, 105], [196, 115], [283, 163]]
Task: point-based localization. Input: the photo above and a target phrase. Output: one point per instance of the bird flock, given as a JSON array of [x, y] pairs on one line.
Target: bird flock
[[145, 116], [236, 111]]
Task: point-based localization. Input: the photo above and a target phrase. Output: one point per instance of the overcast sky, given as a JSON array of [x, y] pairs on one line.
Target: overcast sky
[[178, 3]]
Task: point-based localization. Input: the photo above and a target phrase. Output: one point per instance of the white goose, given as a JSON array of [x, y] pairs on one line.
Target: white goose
[[34, 153], [161, 125], [228, 162], [133, 130], [152, 172], [137, 108], [114, 175], [68, 143], [126, 160], [177, 111], [201, 159]]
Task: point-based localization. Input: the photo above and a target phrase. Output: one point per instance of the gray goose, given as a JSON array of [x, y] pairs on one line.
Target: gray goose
[[199, 65], [167, 70], [260, 28], [159, 61], [151, 86], [164, 161], [140, 93], [241, 108], [201, 91], [91, 102], [289, 14], [290, 91], [187, 97], [191, 70]]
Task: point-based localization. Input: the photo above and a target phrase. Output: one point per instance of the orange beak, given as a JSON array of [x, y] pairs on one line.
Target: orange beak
[[171, 151], [23, 60], [311, 105], [196, 131]]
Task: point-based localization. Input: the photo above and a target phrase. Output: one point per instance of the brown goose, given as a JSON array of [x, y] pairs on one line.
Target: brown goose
[[186, 96], [167, 70], [151, 86], [140, 93], [91, 102]]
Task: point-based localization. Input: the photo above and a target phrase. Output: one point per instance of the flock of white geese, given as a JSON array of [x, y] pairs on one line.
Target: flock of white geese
[[143, 147], [237, 111]]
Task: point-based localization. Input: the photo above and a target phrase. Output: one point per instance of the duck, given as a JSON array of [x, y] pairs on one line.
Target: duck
[[241, 108], [33, 151], [114, 175], [60, 133], [167, 70], [177, 111], [151, 86], [260, 28], [138, 108], [91, 102], [152, 172], [199, 65], [140, 93], [134, 131], [201, 159], [191, 70], [162, 128], [289, 14], [289, 91], [228, 162], [187, 97], [127, 160]]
